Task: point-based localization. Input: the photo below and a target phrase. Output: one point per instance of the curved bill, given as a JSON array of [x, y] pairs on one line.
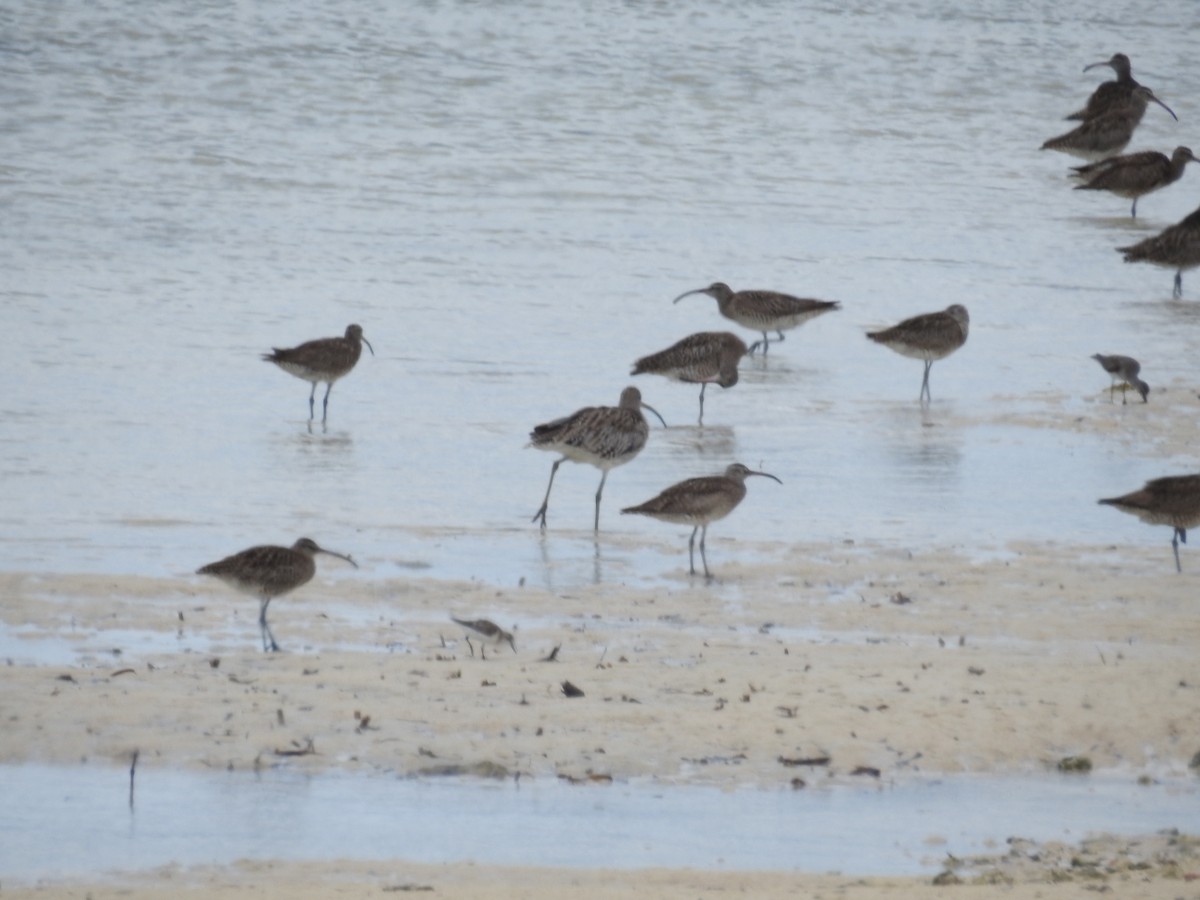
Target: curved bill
[[338, 555], [369, 347], [689, 293], [1150, 96], [764, 475], [646, 405]]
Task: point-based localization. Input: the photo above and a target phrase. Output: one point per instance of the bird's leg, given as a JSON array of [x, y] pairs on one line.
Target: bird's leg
[[755, 346], [1178, 292], [692, 551], [268, 639], [311, 395], [703, 556], [599, 491], [541, 513], [325, 404], [1180, 534], [703, 385], [1133, 212], [780, 333], [467, 638], [766, 344], [926, 397]]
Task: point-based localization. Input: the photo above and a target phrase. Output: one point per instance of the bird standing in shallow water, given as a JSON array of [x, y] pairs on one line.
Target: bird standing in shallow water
[[697, 502], [763, 311], [1124, 370], [1174, 501], [601, 436], [488, 632], [1110, 94], [325, 359], [930, 337], [708, 357], [1108, 133], [1135, 175], [1176, 247], [268, 572]]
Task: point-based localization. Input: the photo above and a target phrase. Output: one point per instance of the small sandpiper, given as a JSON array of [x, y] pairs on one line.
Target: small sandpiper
[[488, 632]]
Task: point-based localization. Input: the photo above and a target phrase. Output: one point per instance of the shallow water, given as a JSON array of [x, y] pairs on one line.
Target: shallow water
[[507, 197], [77, 821]]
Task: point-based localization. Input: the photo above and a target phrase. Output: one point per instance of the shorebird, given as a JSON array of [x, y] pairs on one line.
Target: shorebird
[[697, 502], [1110, 132], [601, 436], [1176, 247], [1124, 370], [325, 359], [763, 311], [488, 632], [1135, 175], [704, 358], [1109, 94], [268, 572], [1174, 501], [930, 337]]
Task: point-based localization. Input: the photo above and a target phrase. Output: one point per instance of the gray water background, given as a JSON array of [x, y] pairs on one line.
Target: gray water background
[[507, 197]]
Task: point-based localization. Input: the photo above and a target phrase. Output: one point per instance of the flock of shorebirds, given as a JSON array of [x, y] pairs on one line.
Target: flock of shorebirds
[[610, 436], [1108, 120]]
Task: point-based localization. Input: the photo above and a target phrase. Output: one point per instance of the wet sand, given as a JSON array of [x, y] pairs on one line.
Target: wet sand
[[877, 659]]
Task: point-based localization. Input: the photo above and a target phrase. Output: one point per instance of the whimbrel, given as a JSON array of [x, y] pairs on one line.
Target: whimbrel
[[703, 358], [268, 572], [325, 359], [601, 436], [1135, 175], [1124, 370], [1176, 247], [1109, 94], [1108, 133], [697, 502], [763, 311], [488, 632], [928, 337], [1174, 501]]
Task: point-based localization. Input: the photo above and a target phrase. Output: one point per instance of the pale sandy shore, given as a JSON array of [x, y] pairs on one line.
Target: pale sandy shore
[[903, 662]]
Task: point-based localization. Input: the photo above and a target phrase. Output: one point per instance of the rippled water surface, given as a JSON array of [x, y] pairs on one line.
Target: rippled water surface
[[507, 197], [67, 821]]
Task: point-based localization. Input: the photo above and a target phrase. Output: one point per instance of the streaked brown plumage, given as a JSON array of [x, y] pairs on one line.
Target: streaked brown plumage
[[1109, 94], [267, 572], [707, 357], [763, 311], [1123, 370], [325, 359], [1174, 501], [1108, 133], [601, 436], [1134, 175], [928, 337], [1176, 247], [489, 633], [697, 502]]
